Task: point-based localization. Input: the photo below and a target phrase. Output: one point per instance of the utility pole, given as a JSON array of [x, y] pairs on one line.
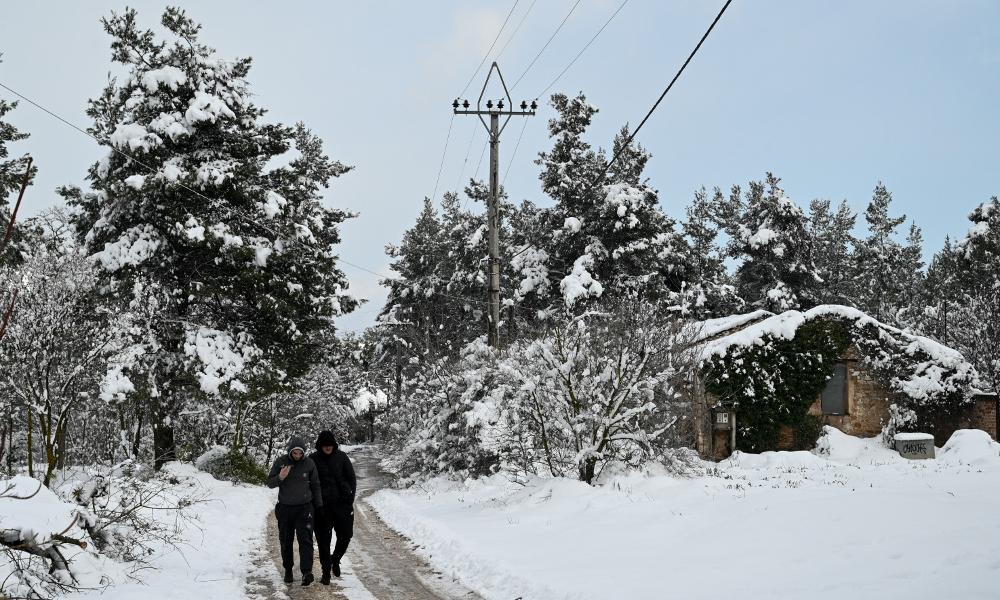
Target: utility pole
[[495, 128]]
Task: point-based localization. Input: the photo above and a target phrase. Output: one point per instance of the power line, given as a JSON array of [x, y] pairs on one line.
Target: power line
[[126, 154], [442, 294], [468, 83], [549, 41], [468, 152], [660, 99], [516, 29], [481, 155], [514, 153], [443, 154], [584, 49]]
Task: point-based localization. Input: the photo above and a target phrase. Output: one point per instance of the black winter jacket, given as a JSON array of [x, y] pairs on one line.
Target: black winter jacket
[[302, 484], [336, 478]]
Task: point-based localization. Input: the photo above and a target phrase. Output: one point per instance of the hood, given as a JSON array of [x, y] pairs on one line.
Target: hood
[[295, 442], [326, 438]]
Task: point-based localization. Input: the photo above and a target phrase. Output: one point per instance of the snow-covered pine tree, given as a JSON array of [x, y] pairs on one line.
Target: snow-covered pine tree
[[646, 254], [832, 242], [979, 276], [937, 309], [769, 234], [11, 178], [235, 254], [912, 265], [568, 171], [406, 320], [11, 170], [880, 269], [612, 238], [710, 292]]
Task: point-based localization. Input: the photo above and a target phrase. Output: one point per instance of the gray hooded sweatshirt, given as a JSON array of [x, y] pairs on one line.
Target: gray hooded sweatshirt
[[302, 484]]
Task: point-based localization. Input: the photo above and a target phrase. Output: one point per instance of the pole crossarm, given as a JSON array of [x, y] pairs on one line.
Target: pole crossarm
[[512, 113]]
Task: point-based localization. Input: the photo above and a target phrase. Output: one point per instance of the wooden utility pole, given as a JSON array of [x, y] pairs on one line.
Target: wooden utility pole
[[504, 107]]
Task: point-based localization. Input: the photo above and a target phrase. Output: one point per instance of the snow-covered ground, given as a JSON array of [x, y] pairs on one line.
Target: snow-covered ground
[[213, 544], [218, 547], [848, 520]]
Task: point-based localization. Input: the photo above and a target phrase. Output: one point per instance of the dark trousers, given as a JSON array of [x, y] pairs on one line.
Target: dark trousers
[[339, 520], [295, 520]]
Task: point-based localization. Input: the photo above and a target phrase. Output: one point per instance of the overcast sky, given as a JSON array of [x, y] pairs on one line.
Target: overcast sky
[[830, 96]]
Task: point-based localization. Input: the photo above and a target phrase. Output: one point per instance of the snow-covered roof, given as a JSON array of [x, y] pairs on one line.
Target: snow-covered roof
[[712, 328], [784, 326], [937, 369]]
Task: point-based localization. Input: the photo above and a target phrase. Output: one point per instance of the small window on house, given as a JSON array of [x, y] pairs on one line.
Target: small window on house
[[834, 398]]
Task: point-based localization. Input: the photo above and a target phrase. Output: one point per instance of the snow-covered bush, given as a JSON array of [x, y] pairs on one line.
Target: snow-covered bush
[[440, 427], [900, 419], [226, 464], [602, 387]]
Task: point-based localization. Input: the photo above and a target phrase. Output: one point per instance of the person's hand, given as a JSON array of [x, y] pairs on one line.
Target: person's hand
[[285, 470]]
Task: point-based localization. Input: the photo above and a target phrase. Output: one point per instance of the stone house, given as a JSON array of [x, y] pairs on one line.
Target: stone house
[[855, 399]]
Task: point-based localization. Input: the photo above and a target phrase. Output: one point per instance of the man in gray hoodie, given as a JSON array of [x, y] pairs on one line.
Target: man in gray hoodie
[[297, 480]]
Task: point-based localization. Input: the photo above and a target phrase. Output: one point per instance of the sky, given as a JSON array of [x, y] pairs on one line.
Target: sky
[[832, 97]]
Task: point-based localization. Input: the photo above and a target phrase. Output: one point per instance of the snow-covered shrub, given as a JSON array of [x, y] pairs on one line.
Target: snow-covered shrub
[[602, 387], [444, 425], [605, 386], [900, 419], [226, 464], [119, 508]]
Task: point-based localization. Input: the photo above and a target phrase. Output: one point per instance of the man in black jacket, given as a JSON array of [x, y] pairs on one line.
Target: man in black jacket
[[338, 484], [295, 476]]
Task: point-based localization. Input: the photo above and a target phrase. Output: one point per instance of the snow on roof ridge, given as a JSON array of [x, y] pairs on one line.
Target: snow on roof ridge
[[784, 326]]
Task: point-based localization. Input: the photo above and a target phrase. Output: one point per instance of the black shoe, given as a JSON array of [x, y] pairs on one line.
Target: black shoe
[[307, 578], [326, 578], [288, 576], [336, 569]]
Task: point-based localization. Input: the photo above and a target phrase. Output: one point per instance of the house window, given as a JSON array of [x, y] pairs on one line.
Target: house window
[[834, 398]]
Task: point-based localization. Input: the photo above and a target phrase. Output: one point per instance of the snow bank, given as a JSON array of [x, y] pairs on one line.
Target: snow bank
[[971, 447], [776, 525]]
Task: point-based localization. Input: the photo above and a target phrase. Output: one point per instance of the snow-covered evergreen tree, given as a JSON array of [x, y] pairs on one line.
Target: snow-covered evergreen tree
[[609, 235], [709, 291], [832, 242], [937, 310], [11, 169], [769, 234], [11, 178], [234, 254], [885, 271], [979, 276]]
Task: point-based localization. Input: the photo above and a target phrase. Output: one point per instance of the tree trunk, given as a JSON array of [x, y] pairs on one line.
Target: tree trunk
[[61, 444], [30, 449], [399, 383], [137, 438], [164, 448], [587, 469]]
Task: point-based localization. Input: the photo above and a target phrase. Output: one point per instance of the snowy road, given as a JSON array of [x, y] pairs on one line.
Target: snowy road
[[379, 563]]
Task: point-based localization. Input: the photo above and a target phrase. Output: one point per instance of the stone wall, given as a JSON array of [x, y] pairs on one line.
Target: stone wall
[[984, 414], [867, 401]]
